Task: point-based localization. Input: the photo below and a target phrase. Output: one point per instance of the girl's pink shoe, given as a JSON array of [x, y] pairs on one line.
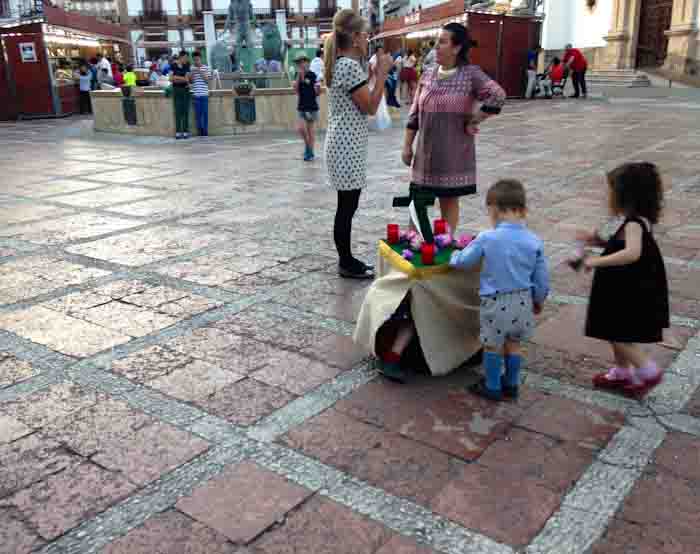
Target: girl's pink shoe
[[615, 378], [652, 376]]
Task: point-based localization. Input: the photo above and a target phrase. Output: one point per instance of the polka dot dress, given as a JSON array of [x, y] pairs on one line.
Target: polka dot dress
[[347, 134]]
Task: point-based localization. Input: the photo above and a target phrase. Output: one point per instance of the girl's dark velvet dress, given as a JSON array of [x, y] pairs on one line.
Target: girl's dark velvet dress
[[629, 303]]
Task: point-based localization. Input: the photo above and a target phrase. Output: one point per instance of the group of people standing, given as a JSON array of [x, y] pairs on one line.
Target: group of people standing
[[101, 72], [573, 64], [190, 84], [451, 100]]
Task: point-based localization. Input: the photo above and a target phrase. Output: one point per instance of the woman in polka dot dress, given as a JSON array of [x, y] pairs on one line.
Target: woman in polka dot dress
[[350, 100]]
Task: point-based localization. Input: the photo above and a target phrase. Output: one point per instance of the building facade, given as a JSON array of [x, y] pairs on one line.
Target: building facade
[[627, 34], [164, 26]]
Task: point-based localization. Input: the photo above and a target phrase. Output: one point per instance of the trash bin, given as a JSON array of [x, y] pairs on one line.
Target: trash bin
[[245, 110]]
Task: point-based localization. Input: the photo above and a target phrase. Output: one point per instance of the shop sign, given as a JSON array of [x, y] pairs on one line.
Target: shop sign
[[27, 52], [412, 19]]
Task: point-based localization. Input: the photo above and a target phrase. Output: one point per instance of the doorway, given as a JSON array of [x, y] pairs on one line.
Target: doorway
[[654, 20]]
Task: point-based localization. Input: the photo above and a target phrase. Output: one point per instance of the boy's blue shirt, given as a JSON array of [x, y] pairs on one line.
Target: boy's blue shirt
[[513, 259]]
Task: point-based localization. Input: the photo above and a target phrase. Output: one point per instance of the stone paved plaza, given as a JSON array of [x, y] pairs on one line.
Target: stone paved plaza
[[177, 373]]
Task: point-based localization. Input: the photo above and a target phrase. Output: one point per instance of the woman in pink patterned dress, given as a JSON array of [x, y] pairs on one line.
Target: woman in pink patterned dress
[[453, 98]]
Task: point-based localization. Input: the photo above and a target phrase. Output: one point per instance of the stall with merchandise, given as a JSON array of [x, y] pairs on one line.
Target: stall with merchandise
[[41, 55], [503, 38]]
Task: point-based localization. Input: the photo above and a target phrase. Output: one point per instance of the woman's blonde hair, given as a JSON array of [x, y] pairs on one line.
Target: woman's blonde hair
[[345, 24]]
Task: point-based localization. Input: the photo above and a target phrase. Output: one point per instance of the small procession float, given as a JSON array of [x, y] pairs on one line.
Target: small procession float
[[413, 265]]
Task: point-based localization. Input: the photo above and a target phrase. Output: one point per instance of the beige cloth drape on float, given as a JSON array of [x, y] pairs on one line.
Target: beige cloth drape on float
[[444, 306]]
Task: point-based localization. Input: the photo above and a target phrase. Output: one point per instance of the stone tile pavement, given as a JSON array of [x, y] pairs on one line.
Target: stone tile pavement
[[177, 373]]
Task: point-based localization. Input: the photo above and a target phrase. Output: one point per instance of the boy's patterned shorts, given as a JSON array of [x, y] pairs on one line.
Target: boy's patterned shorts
[[506, 317]]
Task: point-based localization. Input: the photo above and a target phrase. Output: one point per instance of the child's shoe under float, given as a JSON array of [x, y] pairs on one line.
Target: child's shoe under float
[[391, 371]]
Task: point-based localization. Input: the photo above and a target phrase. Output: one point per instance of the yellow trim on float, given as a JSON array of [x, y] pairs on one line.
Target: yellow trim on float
[[401, 264]]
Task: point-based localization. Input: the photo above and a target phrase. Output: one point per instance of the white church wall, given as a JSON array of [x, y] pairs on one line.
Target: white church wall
[[591, 25], [559, 23], [573, 21]]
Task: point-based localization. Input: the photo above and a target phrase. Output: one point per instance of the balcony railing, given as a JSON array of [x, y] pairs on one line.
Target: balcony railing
[[107, 15], [146, 16], [36, 9], [270, 13]]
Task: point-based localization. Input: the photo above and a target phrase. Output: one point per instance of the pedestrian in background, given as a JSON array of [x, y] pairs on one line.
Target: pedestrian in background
[[200, 75], [103, 62], [85, 85], [576, 62], [308, 88], [129, 76], [180, 79], [104, 79], [118, 76], [532, 60], [317, 65]]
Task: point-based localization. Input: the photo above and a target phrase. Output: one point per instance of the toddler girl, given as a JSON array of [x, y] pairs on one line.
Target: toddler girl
[[629, 298], [514, 283]]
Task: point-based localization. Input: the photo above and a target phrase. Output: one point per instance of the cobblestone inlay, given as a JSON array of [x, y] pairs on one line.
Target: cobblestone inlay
[[307, 406], [93, 535]]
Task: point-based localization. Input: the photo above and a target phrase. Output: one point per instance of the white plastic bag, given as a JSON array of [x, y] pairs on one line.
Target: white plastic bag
[[382, 119]]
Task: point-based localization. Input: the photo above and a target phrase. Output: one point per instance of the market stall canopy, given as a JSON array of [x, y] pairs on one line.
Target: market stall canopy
[[77, 22], [422, 28]]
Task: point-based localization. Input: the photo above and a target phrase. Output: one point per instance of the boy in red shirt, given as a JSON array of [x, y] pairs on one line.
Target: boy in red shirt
[[576, 62]]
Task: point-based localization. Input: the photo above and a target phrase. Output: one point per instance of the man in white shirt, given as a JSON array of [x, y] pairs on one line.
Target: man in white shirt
[[102, 63], [200, 75], [317, 65]]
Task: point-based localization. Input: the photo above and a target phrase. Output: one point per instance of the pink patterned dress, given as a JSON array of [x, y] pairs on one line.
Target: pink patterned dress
[[445, 156]]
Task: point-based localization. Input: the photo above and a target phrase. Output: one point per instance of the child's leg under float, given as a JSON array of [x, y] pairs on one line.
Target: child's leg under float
[[390, 362]]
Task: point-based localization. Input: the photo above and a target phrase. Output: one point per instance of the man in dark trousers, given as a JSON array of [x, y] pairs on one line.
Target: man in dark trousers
[[576, 62], [180, 78]]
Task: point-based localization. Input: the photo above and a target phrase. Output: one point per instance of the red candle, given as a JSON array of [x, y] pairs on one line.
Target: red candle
[[427, 254], [392, 233], [440, 227]]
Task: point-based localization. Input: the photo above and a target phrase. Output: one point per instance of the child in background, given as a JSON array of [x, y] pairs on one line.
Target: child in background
[[85, 85], [514, 285], [629, 298], [308, 88], [153, 75], [129, 76]]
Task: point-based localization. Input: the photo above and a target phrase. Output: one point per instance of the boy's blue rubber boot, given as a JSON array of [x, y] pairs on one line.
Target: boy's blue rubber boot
[[511, 380], [490, 387]]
